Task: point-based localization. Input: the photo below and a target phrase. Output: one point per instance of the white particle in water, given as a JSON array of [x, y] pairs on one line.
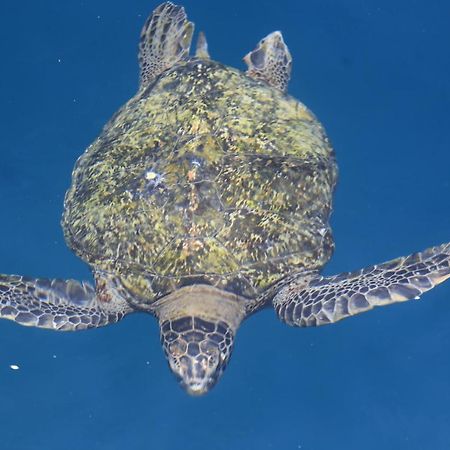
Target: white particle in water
[[14, 367]]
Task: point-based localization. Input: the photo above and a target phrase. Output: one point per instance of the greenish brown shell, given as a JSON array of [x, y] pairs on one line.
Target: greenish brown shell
[[206, 176]]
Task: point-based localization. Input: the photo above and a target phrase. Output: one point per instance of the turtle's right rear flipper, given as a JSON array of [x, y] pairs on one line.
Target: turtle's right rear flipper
[[55, 304], [165, 40], [270, 61]]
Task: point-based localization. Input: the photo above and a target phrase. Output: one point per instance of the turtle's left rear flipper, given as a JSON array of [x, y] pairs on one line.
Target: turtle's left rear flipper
[[56, 304], [165, 41], [311, 300]]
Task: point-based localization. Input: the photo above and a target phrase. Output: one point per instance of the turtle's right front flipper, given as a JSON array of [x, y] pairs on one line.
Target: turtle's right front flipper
[[311, 299], [65, 305]]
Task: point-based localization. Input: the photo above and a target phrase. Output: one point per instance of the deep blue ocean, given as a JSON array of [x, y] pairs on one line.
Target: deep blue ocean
[[377, 74]]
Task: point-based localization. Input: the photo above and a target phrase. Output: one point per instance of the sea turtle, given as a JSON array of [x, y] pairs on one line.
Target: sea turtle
[[206, 198]]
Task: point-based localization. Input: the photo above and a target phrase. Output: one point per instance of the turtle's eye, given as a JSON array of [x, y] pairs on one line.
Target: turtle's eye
[[211, 351], [214, 358], [177, 348], [209, 347]]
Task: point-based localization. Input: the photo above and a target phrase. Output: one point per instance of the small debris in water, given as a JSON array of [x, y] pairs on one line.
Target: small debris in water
[[14, 367]]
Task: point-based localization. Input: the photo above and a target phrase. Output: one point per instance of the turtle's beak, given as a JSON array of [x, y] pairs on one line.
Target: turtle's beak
[[197, 351], [199, 373]]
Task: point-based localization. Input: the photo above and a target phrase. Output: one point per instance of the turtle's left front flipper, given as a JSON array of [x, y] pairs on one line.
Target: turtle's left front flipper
[[65, 305], [311, 300]]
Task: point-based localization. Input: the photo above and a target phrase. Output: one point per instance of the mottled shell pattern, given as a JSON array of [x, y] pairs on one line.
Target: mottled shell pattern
[[205, 176]]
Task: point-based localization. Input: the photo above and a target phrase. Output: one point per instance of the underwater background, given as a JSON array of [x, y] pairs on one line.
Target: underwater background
[[376, 73]]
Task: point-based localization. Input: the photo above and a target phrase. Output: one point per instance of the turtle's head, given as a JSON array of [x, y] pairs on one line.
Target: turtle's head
[[198, 324], [197, 350]]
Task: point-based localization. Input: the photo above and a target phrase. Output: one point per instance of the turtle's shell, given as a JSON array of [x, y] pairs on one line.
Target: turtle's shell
[[206, 176]]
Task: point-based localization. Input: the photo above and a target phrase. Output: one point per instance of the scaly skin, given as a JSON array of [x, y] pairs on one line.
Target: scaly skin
[[205, 176]]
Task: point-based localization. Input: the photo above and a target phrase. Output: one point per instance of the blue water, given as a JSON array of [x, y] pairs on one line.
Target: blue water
[[377, 75]]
